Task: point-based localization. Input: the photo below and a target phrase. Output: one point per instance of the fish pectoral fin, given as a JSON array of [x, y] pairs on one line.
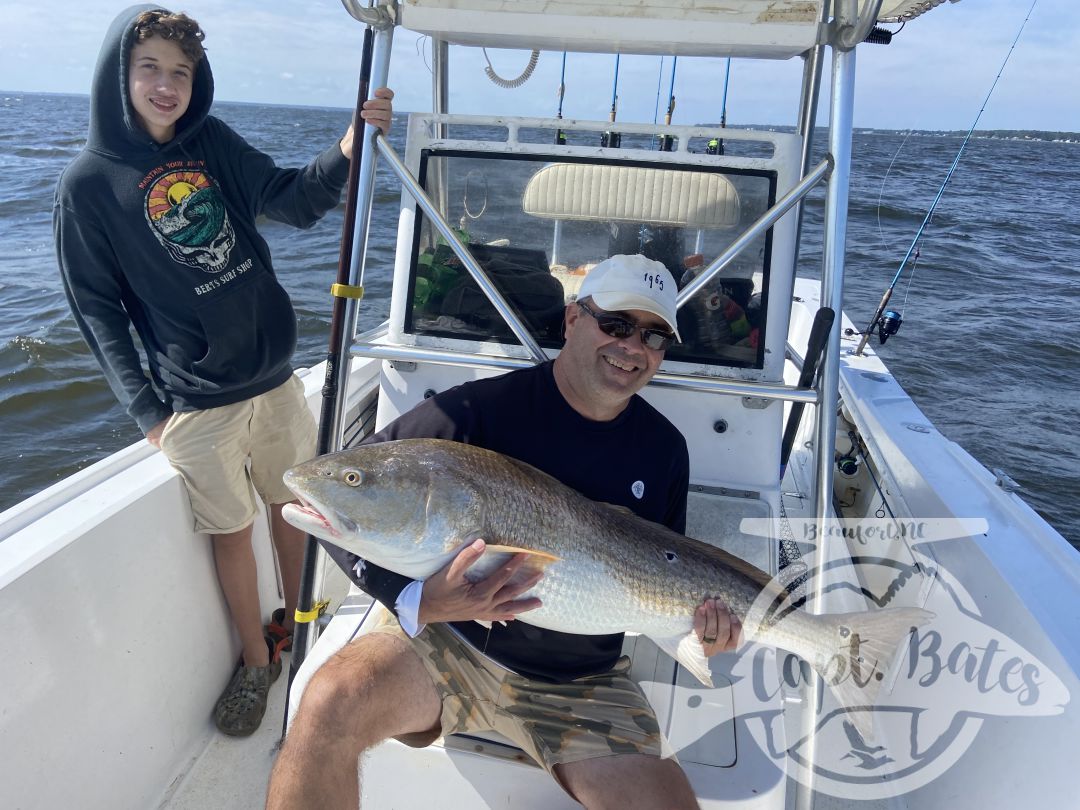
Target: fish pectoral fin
[[534, 561], [687, 650], [495, 555], [518, 550]]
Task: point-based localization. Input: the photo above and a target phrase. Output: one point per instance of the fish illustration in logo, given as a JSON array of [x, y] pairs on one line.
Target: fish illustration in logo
[[186, 212]]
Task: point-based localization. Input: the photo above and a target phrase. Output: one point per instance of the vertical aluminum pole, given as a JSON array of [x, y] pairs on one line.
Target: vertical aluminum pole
[[440, 81], [832, 281], [365, 194], [851, 29], [342, 327], [440, 105], [808, 106], [832, 275]]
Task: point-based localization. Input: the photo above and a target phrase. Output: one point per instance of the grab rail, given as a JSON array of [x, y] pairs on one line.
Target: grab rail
[[663, 379], [762, 224], [460, 250]]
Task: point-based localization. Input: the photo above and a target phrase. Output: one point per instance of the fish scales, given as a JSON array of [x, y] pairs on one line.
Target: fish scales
[[638, 567], [411, 505]]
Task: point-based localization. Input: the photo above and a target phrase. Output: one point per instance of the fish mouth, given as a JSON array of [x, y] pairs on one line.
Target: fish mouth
[[305, 516]]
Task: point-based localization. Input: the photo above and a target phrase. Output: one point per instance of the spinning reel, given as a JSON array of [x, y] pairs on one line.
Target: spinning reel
[[887, 325]]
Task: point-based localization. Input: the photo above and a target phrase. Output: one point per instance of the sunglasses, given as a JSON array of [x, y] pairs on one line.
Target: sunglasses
[[616, 327]]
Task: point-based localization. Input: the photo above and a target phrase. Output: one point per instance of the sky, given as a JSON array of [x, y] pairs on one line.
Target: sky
[[935, 75]]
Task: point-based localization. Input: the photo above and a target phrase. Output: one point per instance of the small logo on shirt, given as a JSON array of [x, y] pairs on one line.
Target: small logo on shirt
[[638, 488]]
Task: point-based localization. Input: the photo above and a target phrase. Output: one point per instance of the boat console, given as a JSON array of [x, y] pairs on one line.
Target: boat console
[[495, 205]]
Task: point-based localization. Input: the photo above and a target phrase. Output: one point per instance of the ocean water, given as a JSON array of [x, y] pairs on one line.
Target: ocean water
[[987, 349]]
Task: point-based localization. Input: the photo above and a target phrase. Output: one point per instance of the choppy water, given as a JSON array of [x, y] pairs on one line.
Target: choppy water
[[987, 349]]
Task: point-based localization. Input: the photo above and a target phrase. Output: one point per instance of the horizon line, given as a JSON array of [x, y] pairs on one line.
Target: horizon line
[[331, 108]]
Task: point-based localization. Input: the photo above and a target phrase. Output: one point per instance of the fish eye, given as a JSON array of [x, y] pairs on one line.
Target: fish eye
[[352, 477]]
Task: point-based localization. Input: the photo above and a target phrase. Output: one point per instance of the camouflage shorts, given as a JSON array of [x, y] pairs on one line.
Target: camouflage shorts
[[554, 723]]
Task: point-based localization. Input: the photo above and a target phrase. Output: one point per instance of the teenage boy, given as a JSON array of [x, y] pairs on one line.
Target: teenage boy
[[155, 228]]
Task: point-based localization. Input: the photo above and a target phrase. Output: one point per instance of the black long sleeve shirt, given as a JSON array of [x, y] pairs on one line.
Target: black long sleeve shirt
[[638, 460]]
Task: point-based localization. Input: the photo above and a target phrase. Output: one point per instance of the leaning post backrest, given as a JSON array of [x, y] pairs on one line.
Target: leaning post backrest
[[613, 193]]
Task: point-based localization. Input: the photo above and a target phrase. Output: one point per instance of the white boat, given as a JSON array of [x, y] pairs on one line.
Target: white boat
[[118, 640]]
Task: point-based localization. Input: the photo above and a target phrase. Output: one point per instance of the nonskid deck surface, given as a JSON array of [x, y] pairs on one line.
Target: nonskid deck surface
[[233, 772]]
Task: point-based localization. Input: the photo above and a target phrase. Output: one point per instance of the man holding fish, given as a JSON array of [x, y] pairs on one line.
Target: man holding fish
[[439, 666]]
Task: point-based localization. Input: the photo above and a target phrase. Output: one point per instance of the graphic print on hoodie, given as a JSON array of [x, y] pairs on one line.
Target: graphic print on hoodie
[[187, 214], [162, 238]]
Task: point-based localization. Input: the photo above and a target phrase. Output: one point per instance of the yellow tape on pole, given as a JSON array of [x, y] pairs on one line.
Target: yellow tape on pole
[[305, 616], [347, 291]]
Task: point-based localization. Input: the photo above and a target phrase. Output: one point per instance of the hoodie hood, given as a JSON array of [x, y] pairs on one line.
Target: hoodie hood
[[114, 129]]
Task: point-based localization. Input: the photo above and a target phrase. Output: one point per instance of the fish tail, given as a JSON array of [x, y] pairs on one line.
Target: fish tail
[[857, 654]]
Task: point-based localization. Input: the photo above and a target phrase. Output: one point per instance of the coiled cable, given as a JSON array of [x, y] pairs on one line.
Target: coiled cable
[[510, 84]]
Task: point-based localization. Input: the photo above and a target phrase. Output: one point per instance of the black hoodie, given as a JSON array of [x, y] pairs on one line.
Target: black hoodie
[[162, 236]]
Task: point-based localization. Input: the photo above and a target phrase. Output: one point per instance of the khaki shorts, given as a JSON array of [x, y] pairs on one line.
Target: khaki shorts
[[554, 723], [221, 453]]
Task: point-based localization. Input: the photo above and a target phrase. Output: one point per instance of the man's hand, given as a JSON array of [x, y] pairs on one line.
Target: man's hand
[[376, 111], [449, 597], [154, 434], [716, 627]]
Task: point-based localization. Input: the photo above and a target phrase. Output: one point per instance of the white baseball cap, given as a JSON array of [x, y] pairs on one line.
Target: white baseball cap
[[633, 282]]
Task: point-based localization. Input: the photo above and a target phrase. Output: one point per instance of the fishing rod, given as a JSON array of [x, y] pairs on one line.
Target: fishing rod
[[560, 136], [716, 145], [611, 138], [306, 613], [723, 102], [659, 83], [667, 141], [887, 322]]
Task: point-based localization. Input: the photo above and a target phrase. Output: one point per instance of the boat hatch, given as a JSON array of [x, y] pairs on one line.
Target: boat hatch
[[698, 722]]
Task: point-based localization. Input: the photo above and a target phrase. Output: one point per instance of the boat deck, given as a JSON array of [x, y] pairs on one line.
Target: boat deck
[[233, 772]]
